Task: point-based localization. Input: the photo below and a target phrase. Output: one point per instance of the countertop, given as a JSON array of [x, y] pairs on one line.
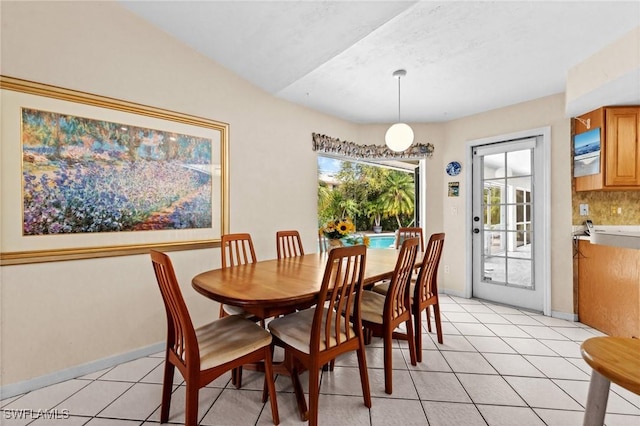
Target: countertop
[[616, 236]]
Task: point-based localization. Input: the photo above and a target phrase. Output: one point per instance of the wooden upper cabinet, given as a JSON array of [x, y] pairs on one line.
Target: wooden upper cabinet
[[619, 148], [622, 147]]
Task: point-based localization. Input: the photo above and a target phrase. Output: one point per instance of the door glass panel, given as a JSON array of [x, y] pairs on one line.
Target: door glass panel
[[494, 165], [494, 242], [495, 269], [507, 222], [511, 222], [519, 272], [519, 163]]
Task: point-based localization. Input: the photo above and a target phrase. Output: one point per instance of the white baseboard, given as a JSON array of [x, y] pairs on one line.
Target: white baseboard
[[454, 293], [77, 371], [565, 316]]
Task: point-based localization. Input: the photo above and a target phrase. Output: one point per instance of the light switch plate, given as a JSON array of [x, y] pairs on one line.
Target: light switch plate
[[584, 209]]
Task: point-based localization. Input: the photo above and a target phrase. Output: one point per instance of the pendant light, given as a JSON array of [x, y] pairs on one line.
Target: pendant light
[[399, 136]]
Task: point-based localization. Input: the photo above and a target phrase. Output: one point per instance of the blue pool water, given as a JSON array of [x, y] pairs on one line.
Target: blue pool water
[[381, 241]]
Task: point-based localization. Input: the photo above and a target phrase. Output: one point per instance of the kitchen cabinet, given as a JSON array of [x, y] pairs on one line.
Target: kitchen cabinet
[[619, 148], [609, 288]]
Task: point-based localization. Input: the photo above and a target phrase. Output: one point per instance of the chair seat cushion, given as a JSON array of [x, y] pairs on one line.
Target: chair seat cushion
[[236, 310], [229, 338], [384, 288], [372, 306], [381, 288], [295, 329]]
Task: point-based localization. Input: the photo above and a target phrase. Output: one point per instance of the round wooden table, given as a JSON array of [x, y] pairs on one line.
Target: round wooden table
[[273, 287], [613, 359]]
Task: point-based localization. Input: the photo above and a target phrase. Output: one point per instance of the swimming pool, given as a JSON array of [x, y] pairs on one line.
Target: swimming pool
[[381, 241]]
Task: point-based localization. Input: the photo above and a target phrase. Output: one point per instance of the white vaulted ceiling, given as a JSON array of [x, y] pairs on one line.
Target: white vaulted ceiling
[[338, 57]]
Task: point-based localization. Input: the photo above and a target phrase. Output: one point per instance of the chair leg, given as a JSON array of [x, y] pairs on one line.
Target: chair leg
[[428, 312], [364, 375], [265, 390], [314, 394], [329, 366], [417, 318], [436, 316], [412, 342], [191, 404], [167, 383], [388, 361], [268, 379]]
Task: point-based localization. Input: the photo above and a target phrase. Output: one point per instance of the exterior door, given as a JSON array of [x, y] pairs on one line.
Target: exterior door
[[505, 210]]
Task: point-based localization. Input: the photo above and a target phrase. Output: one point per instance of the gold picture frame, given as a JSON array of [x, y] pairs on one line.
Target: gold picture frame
[[18, 246]]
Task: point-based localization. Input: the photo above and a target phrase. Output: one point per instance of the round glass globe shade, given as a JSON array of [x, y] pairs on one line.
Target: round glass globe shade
[[399, 137]]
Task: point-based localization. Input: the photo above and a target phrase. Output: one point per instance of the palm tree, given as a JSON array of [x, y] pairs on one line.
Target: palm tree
[[349, 208], [376, 209], [328, 203], [399, 197]]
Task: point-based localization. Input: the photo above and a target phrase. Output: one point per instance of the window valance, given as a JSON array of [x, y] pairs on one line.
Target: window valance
[[329, 145]]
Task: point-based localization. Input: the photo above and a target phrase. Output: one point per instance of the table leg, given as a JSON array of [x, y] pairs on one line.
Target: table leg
[[293, 368], [287, 367], [300, 399], [597, 400]]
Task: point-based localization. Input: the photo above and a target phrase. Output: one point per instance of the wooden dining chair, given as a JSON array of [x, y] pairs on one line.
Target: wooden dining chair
[[237, 249], [410, 232], [289, 244], [424, 292], [315, 336], [323, 242], [203, 354], [382, 314]]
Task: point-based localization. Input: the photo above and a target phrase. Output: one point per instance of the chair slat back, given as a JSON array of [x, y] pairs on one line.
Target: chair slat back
[[410, 232], [289, 244], [181, 335], [323, 242], [237, 249], [398, 299], [427, 282], [341, 292]]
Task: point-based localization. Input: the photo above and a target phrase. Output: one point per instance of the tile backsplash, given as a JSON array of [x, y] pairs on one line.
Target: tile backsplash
[[608, 207]]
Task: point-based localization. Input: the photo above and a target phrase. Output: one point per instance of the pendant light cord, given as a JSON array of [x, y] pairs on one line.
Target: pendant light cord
[[399, 120]]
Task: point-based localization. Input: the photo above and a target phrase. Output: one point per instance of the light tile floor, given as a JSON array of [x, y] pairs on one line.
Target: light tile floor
[[497, 366]]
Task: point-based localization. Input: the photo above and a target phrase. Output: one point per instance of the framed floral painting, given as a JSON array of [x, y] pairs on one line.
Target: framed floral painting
[[88, 176]]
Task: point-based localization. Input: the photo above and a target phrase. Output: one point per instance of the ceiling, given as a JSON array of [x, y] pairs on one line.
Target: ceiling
[[338, 57]]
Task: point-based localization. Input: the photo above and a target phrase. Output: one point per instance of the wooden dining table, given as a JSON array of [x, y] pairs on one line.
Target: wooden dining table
[[274, 287]]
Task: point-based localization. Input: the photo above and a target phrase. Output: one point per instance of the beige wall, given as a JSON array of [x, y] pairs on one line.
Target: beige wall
[[611, 76], [56, 316], [548, 111]]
